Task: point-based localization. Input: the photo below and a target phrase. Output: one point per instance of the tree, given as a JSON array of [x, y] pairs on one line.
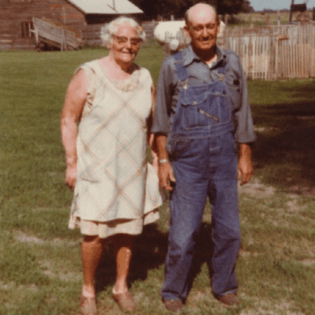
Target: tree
[[229, 6], [165, 8]]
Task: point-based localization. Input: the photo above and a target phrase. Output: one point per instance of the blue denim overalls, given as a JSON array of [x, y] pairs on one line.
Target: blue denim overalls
[[204, 159]]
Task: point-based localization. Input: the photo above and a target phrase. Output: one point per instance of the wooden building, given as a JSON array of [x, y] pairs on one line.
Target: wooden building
[[85, 16]]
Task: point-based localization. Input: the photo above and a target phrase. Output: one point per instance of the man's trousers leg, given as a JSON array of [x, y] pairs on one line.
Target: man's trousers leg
[[224, 213], [186, 205]]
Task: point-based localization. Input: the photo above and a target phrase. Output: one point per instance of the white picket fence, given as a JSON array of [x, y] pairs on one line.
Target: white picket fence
[[274, 52]]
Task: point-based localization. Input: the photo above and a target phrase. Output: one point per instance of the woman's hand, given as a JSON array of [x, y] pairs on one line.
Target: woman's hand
[[71, 113], [71, 176]]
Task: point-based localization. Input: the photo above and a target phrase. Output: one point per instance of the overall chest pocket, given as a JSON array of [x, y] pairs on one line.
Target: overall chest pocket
[[195, 110], [201, 109]]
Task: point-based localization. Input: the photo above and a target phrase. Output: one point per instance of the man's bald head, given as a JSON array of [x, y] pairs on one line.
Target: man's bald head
[[200, 9], [202, 26]]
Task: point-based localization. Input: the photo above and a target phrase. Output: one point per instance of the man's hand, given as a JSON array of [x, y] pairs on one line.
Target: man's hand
[[71, 176], [165, 173], [245, 167], [166, 176]]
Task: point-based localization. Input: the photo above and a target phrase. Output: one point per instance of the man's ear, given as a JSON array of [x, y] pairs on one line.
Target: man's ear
[[187, 30], [218, 26]]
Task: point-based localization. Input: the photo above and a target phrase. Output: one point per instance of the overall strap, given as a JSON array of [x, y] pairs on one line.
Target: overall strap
[[181, 70], [222, 71]]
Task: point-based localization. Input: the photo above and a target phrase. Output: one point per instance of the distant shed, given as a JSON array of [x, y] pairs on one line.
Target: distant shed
[[86, 17]]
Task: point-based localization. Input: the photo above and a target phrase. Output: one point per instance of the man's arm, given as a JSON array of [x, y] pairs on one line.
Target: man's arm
[[245, 134], [165, 171], [245, 167], [161, 124]]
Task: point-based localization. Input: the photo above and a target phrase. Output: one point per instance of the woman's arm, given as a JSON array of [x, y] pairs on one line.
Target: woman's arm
[[149, 126], [71, 113], [150, 118]]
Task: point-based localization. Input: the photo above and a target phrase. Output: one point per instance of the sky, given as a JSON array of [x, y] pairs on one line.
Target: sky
[[260, 5]]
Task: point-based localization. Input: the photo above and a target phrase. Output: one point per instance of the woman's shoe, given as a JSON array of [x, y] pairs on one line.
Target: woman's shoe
[[88, 305], [124, 301]]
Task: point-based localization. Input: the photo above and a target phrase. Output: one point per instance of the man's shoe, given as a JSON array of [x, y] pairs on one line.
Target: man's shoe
[[173, 305], [229, 300]]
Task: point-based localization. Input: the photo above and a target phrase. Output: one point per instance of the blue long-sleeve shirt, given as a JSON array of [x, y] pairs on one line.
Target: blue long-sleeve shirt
[[200, 73]]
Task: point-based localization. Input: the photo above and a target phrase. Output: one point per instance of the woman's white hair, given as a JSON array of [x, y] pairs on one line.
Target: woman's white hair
[[110, 29]]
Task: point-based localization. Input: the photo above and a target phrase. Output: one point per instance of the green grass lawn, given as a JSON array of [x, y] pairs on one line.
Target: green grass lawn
[[40, 265]]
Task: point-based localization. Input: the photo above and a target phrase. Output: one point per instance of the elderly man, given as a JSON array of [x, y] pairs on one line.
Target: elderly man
[[202, 119]]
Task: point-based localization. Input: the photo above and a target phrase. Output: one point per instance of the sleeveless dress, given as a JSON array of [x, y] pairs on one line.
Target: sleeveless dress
[[117, 190]]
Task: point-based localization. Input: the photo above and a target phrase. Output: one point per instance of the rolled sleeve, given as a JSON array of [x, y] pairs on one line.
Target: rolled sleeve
[[244, 132], [244, 127], [161, 122]]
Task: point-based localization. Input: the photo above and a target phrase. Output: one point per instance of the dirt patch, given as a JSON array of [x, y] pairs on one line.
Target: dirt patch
[[7, 286], [293, 205], [264, 309], [22, 237], [303, 190], [61, 242], [266, 129], [308, 262], [256, 189]]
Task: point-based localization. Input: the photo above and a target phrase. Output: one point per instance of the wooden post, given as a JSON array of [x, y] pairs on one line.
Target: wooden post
[[278, 18], [276, 58], [63, 44], [268, 20], [64, 15], [226, 20], [290, 18]]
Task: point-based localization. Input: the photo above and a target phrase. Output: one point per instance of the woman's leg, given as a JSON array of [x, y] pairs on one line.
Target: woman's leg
[[123, 247], [92, 248]]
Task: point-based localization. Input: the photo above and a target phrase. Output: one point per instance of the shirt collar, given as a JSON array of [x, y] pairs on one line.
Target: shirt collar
[[189, 56]]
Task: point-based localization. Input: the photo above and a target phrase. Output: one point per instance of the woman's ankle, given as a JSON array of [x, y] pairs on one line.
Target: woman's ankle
[[117, 289], [88, 291]]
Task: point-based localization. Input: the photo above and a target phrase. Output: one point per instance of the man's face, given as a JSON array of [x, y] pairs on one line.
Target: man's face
[[203, 28]]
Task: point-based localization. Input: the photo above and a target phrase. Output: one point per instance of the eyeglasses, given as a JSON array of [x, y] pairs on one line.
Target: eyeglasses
[[134, 41], [200, 28]]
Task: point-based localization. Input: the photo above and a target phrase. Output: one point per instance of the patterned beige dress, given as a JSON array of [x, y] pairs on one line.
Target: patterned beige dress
[[117, 190]]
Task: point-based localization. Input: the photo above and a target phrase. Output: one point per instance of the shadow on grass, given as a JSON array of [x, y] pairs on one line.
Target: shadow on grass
[[149, 252], [284, 152], [278, 115]]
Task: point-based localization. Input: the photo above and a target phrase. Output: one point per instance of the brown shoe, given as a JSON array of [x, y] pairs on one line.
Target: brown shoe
[[173, 305], [229, 300], [124, 301], [88, 305]]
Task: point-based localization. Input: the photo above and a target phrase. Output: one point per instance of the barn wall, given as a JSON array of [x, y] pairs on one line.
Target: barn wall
[[16, 21], [92, 32], [16, 17]]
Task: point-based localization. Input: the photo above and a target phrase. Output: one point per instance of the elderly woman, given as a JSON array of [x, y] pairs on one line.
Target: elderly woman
[[115, 189]]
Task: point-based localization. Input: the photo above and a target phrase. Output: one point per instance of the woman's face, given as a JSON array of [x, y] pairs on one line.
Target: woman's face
[[125, 44]]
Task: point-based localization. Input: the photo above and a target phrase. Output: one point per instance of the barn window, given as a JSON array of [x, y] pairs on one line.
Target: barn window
[[26, 28]]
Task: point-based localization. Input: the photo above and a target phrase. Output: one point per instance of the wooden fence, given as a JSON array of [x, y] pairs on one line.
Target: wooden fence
[[55, 35], [274, 52]]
